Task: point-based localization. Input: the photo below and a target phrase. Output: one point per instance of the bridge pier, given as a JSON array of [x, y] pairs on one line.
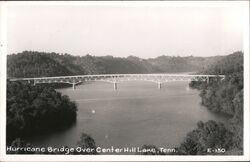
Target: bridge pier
[[115, 86], [207, 80], [73, 86], [159, 85]]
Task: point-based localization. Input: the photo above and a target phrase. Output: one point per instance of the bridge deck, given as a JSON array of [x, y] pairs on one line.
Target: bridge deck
[[118, 75], [115, 78]]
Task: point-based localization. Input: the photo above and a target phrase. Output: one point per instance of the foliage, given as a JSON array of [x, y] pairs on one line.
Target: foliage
[[226, 96], [33, 64], [228, 65], [36, 109], [209, 135], [38, 64], [223, 97], [206, 139], [87, 142], [179, 64]]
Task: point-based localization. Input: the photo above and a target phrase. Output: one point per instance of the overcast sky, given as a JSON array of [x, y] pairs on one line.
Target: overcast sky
[[122, 31]]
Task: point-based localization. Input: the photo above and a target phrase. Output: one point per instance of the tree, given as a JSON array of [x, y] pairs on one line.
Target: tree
[[87, 142], [36, 109], [207, 135]]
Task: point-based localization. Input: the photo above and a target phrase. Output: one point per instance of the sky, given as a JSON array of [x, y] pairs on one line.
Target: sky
[[123, 30]]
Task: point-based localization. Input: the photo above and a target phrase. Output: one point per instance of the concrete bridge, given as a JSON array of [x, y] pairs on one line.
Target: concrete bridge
[[117, 78]]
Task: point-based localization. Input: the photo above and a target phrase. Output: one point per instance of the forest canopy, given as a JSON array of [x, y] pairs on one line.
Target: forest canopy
[[36, 109], [40, 64]]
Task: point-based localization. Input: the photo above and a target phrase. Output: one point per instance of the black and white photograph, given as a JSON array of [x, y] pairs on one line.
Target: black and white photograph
[[125, 79]]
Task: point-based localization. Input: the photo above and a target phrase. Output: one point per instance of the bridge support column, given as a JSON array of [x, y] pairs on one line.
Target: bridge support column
[[74, 86], [34, 83], [207, 79], [115, 86], [159, 85]]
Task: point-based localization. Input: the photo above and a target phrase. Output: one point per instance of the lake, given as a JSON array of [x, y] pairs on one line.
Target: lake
[[135, 114]]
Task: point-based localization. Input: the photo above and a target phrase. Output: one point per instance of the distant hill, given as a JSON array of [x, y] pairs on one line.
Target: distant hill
[[38, 64], [228, 65], [170, 64], [33, 64]]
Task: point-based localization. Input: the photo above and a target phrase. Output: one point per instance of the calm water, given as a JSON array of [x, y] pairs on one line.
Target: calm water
[[136, 114]]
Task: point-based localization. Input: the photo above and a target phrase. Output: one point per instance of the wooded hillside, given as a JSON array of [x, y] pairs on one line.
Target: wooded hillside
[[38, 64]]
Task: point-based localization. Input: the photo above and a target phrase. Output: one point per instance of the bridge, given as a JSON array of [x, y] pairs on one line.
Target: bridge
[[117, 78]]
